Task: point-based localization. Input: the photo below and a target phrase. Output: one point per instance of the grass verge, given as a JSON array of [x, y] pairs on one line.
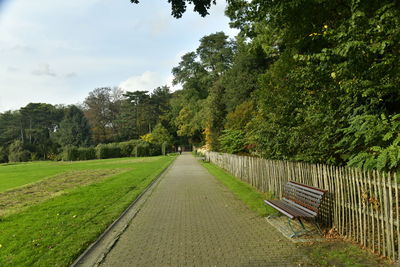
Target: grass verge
[[248, 194], [55, 232], [341, 253], [330, 253]]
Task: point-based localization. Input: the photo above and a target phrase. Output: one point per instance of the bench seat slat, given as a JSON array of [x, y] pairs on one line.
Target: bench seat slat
[[291, 211]]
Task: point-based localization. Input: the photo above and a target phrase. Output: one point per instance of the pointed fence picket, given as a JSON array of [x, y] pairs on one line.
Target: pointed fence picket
[[360, 205]]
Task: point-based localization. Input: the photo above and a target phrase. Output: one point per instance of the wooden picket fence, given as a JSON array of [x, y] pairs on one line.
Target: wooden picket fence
[[360, 205]]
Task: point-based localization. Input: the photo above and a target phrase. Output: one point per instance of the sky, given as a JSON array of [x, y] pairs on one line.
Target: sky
[[58, 51]]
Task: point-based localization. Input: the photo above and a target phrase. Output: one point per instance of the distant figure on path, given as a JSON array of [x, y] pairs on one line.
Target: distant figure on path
[[180, 150]]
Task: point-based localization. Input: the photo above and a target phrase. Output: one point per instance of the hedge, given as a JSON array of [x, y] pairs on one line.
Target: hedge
[[107, 151], [136, 148], [72, 153]]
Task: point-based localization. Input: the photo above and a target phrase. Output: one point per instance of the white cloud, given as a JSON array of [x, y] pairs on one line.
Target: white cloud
[[71, 75], [34, 89], [43, 70], [172, 87], [12, 69], [147, 81], [92, 43]]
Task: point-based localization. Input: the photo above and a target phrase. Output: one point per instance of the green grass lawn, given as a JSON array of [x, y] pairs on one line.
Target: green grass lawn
[[54, 230], [17, 174], [330, 253]]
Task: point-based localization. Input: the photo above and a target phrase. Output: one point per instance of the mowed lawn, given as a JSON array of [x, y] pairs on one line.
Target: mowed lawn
[[51, 211]]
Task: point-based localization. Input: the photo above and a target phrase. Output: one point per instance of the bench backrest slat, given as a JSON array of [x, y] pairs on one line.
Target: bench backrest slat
[[306, 210], [303, 196]]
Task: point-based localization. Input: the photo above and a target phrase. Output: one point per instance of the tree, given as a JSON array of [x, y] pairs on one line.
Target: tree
[[160, 135], [332, 73], [98, 112], [11, 127], [193, 77], [142, 114], [160, 100], [232, 141], [74, 128], [199, 72], [3, 155], [216, 53], [216, 113], [241, 80], [39, 121], [17, 152], [179, 6], [116, 104]]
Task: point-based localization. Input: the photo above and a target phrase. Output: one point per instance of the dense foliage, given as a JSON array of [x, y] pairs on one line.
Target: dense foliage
[[308, 80]]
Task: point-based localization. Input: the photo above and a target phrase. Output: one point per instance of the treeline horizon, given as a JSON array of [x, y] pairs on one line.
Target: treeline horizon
[[304, 80], [107, 115]]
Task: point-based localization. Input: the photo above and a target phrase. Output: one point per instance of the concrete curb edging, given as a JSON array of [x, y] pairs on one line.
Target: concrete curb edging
[[98, 250]]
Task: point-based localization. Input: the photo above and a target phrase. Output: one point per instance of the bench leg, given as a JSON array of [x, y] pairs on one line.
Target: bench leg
[[301, 223], [318, 227], [298, 233], [303, 230]]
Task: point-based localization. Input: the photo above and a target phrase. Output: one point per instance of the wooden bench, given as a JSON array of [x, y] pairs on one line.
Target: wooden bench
[[299, 201]]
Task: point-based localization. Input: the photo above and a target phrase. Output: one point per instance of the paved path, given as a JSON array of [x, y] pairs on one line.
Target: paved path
[[192, 220]]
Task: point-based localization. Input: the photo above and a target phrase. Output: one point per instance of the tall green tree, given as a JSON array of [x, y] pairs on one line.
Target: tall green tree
[[11, 127], [198, 73], [74, 128], [142, 111], [97, 106], [39, 121]]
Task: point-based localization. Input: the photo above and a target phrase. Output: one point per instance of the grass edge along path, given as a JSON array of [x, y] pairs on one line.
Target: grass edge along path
[[331, 253], [55, 232], [245, 192]]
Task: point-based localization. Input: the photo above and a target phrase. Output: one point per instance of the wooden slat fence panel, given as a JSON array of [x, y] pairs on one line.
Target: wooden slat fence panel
[[362, 206]]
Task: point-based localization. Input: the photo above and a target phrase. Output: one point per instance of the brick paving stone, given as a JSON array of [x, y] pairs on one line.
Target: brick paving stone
[[192, 220]]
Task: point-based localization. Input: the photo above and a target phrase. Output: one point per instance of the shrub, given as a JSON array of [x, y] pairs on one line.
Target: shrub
[[35, 156], [86, 153], [154, 150], [107, 151], [73, 153], [164, 147], [17, 153], [127, 147], [160, 135], [136, 148], [54, 156], [144, 149], [70, 153], [3, 155], [232, 141], [141, 150]]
